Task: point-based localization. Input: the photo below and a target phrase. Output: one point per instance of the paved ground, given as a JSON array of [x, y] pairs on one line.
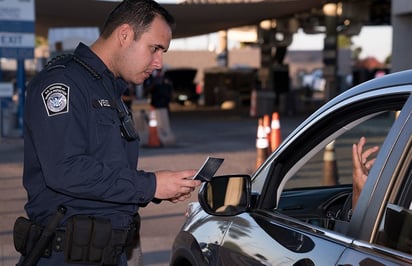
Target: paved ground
[[199, 133]]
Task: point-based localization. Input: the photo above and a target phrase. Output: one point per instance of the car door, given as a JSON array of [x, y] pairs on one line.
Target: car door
[[265, 238], [382, 226], [296, 236], [301, 226]]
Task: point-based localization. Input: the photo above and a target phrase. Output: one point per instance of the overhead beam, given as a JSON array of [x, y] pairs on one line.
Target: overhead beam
[[191, 19]]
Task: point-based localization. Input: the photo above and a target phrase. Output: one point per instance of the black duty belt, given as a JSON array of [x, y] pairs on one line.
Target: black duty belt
[[85, 239]]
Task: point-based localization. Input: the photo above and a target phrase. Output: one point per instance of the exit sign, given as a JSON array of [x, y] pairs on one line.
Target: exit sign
[[17, 29]]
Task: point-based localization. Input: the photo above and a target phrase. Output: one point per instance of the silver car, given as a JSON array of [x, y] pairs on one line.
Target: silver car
[[295, 209]]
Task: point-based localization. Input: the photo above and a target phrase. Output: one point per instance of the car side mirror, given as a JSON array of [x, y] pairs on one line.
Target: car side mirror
[[226, 195]]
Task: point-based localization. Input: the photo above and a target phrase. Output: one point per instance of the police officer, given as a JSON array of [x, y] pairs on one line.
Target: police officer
[[81, 151]]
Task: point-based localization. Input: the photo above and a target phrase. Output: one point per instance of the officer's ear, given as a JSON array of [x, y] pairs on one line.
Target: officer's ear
[[124, 34]]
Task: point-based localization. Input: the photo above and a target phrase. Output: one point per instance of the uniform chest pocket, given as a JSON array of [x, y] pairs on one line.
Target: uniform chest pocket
[[107, 125]]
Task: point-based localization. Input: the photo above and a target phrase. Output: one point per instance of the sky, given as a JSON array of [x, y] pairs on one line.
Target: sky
[[375, 41]]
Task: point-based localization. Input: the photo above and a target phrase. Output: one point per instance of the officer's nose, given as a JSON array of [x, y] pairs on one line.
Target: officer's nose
[[158, 61]]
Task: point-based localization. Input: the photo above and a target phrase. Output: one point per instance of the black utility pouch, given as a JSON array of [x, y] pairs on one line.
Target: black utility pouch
[[77, 238], [21, 231], [101, 236], [25, 235], [87, 238]]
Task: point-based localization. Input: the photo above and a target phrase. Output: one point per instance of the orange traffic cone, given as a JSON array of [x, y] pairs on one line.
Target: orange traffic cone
[[275, 135], [262, 144], [153, 139]]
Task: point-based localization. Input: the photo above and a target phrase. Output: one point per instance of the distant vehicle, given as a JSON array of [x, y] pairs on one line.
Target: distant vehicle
[[184, 87], [294, 211], [314, 80]]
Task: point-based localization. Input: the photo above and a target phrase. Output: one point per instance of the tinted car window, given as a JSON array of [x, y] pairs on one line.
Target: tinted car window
[[335, 159]]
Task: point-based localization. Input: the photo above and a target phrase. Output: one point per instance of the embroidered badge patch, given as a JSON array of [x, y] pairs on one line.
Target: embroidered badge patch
[[56, 99]]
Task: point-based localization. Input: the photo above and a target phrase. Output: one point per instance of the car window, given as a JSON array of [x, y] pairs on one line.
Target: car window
[[329, 170], [332, 165]]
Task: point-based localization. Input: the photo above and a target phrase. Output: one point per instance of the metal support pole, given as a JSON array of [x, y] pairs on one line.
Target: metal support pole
[[21, 90], [330, 58], [223, 52]]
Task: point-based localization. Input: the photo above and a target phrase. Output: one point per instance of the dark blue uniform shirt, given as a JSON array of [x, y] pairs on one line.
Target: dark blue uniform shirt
[[74, 153]]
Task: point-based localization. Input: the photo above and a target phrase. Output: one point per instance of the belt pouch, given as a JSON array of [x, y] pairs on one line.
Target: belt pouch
[[25, 235], [101, 235], [21, 232], [116, 247], [78, 236]]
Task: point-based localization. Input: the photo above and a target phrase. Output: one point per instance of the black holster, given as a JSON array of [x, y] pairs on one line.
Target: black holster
[[25, 236], [34, 240]]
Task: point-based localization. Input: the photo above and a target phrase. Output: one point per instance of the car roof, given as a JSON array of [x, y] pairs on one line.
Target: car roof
[[378, 84], [390, 84]]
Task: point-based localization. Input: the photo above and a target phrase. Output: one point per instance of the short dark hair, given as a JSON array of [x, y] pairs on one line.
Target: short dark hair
[[137, 13]]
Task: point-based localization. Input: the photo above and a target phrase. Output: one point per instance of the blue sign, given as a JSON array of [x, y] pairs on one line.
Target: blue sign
[[17, 29]]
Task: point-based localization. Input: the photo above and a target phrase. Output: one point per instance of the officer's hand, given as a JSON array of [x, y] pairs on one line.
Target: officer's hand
[[175, 185], [182, 197]]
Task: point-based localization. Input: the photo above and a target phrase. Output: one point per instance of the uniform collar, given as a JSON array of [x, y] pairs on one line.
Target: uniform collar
[[90, 58]]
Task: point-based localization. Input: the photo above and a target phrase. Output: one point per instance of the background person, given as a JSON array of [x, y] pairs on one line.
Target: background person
[[160, 89], [80, 150], [129, 95]]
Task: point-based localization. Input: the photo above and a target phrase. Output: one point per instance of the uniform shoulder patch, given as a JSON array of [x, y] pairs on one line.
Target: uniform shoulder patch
[[56, 99]]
